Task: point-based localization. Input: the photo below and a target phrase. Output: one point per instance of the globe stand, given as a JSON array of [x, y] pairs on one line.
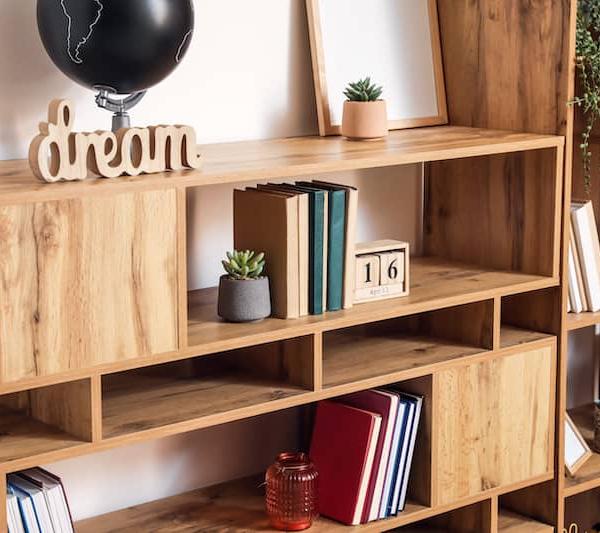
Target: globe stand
[[118, 106]]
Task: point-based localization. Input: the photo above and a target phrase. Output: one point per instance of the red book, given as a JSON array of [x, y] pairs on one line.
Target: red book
[[385, 404], [343, 449]]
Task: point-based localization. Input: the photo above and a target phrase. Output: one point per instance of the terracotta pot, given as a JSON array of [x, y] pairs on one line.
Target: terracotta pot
[[365, 120]]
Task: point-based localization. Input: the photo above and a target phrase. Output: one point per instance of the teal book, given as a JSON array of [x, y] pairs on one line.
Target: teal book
[[317, 209], [336, 245]]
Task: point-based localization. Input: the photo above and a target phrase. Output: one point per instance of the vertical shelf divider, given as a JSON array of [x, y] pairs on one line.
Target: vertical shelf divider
[[318, 361], [182, 285], [96, 397]]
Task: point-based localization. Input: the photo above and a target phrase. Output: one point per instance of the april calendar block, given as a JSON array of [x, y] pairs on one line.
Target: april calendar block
[[381, 270]]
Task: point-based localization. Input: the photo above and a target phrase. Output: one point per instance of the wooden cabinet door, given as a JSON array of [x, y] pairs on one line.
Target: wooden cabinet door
[[495, 424], [87, 281]]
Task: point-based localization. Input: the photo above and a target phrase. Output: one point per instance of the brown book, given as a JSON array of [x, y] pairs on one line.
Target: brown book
[[303, 239], [267, 221]]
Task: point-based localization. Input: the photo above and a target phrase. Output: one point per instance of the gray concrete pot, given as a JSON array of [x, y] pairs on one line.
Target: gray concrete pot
[[244, 300]]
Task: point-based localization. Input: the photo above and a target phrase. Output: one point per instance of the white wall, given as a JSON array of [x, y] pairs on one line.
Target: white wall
[[247, 75]]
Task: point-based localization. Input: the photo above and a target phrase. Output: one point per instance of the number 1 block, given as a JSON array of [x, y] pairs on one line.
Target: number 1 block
[[367, 271]]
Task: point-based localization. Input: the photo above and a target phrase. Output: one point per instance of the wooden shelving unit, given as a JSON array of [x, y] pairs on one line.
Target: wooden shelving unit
[[103, 345]]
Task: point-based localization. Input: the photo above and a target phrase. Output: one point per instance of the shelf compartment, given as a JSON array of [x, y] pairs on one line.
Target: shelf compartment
[[207, 390], [582, 509], [234, 506], [588, 476], [530, 316], [509, 522], [389, 348], [474, 518], [44, 420], [435, 283]]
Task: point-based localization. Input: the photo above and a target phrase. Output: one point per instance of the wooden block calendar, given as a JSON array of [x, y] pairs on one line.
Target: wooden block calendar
[[381, 270]]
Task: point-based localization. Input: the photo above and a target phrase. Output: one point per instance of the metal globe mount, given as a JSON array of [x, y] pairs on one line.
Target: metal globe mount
[[107, 98]]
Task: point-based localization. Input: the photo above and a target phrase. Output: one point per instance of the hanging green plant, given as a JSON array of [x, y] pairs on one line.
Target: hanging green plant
[[588, 68]]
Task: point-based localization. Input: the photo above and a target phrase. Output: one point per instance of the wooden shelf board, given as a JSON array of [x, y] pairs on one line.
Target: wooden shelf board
[[349, 358], [281, 158], [435, 283], [509, 522], [234, 506], [582, 320], [140, 403], [514, 336], [588, 476], [238, 506], [22, 436]]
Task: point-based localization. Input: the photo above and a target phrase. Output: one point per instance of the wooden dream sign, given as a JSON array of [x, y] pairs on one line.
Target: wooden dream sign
[[59, 154]]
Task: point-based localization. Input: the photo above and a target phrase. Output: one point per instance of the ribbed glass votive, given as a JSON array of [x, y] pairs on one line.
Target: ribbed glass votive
[[291, 492]]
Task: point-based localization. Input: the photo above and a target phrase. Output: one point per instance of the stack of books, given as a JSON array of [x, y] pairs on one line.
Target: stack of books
[[584, 259], [362, 446], [307, 231], [36, 503]]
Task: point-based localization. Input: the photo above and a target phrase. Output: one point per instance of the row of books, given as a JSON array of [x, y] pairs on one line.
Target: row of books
[[36, 503], [307, 231], [584, 259], [362, 447]]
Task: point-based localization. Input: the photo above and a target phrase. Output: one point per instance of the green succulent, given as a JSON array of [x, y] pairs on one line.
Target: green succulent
[[363, 91], [244, 265]]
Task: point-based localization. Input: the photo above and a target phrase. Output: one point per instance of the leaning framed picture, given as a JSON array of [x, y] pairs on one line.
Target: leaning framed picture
[[394, 42], [577, 450]]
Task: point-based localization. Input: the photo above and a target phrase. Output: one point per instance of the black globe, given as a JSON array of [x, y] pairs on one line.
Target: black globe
[[125, 45]]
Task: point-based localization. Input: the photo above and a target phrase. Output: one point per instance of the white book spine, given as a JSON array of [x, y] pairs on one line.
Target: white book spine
[[574, 294], [587, 238]]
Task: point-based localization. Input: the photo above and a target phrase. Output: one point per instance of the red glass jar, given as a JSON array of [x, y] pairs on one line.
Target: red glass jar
[[291, 493]]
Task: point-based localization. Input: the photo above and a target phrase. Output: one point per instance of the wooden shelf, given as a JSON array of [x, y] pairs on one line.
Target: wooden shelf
[[235, 507], [239, 506], [22, 436], [582, 320], [351, 358], [588, 476], [282, 158], [141, 403], [514, 523], [513, 336], [435, 283]]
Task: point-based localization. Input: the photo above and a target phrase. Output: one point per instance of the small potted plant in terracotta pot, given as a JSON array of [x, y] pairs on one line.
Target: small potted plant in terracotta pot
[[244, 294], [365, 114]]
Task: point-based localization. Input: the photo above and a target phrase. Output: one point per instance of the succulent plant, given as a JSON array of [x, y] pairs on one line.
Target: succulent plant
[[244, 265], [363, 91]]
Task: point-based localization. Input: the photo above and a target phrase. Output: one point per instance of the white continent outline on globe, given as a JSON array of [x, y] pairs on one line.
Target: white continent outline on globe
[[75, 57]]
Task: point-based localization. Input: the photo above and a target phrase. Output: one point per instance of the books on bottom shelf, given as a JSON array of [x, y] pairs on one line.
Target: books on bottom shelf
[[363, 445], [307, 231], [36, 503], [583, 259]]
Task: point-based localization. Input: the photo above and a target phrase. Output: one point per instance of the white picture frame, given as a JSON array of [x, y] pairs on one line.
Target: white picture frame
[[396, 42], [577, 451]]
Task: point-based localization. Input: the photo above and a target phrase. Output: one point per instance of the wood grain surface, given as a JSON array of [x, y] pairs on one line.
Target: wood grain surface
[[87, 282]]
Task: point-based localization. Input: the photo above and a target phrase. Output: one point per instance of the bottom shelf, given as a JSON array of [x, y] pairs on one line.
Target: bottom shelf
[[234, 506], [239, 506]]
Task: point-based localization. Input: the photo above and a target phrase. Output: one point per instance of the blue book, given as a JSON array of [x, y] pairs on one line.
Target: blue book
[[407, 413], [26, 508], [392, 467], [336, 244], [417, 402]]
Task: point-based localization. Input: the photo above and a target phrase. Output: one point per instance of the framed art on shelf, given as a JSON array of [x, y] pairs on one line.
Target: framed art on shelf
[[396, 42], [577, 451]]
